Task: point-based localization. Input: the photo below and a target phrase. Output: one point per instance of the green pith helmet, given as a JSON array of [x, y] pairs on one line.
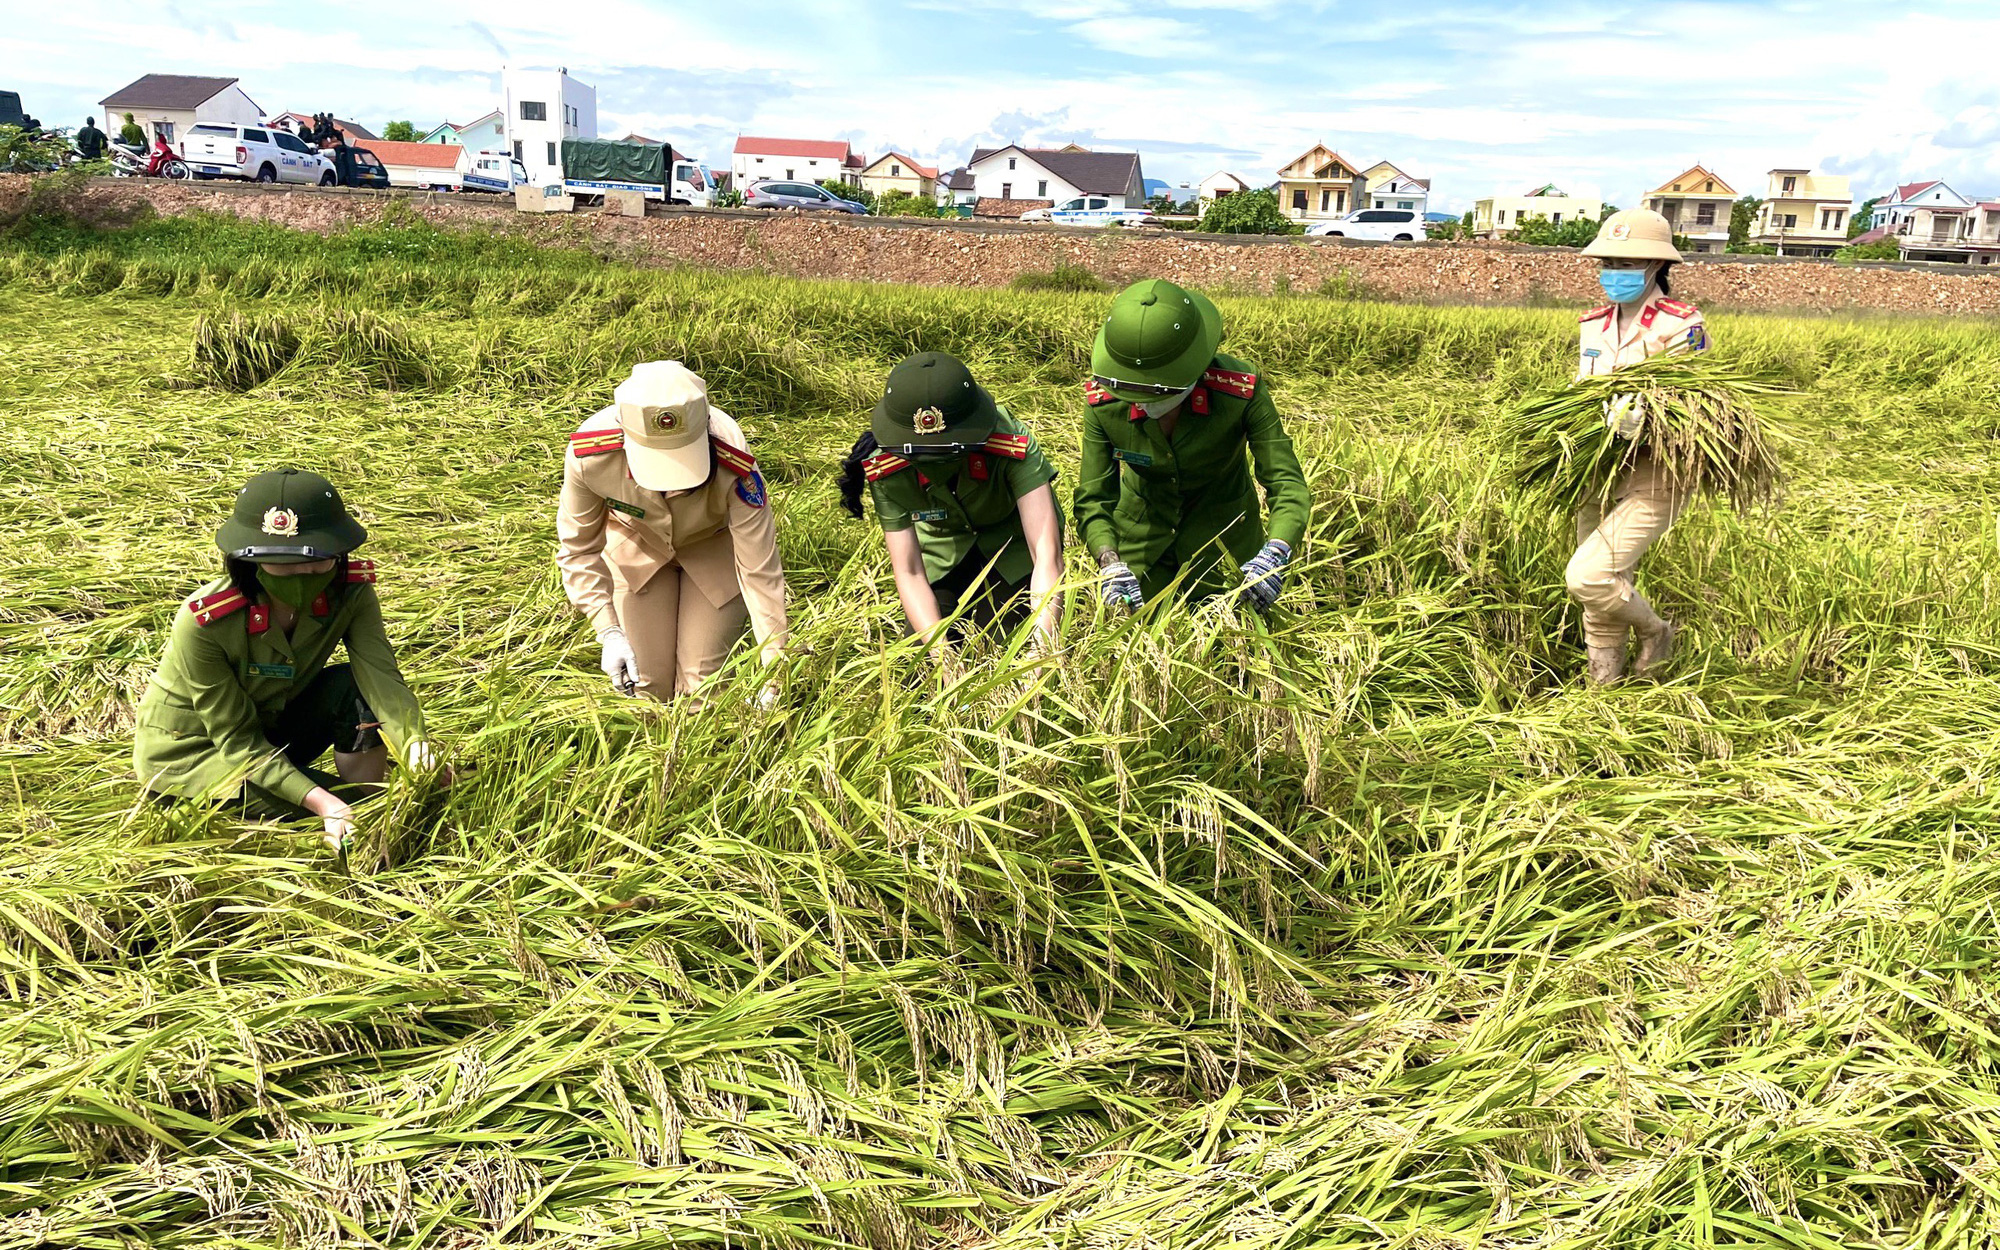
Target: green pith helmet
[[288, 516], [932, 404], [1157, 341]]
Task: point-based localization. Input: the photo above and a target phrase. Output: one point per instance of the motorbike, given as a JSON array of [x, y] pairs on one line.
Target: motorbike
[[158, 161]]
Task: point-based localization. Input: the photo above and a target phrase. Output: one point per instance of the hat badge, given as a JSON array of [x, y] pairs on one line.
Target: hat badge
[[668, 421], [281, 521], [928, 420], [1620, 230]]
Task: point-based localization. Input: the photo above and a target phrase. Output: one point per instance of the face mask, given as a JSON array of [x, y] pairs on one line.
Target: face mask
[[1623, 286], [1161, 407], [296, 591]]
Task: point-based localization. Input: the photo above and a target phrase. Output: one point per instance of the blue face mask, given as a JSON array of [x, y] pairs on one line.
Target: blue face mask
[[1623, 286]]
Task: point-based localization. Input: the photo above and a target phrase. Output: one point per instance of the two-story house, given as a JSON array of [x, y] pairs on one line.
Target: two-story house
[[1321, 185], [1497, 216], [758, 158], [1983, 233], [1928, 220], [1804, 214], [1010, 180], [1697, 206], [542, 108], [1390, 187], [893, 171]]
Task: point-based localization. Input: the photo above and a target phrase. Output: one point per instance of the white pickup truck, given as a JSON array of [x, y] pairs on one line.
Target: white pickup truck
[[259, 153]]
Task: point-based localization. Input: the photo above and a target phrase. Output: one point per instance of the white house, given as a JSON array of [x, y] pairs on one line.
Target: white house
[[541, 108], [794, 160], [1898, 212], [482, 134], [958, 189], [1057, 174], [167, 105], [1390, 187], [1217, 185]]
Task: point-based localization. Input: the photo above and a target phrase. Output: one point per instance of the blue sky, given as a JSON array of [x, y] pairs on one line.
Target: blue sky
[[1608, 99]]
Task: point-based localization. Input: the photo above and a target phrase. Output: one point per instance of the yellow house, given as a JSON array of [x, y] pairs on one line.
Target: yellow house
[[892, 171], [1321, 185], [1696, 205], [1805, 214], [1500, 215]]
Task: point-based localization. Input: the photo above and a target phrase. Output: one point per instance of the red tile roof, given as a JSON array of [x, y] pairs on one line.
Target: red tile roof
[[1904, 192], [825, 148], [354, 130], [916, 167], [420, 155]]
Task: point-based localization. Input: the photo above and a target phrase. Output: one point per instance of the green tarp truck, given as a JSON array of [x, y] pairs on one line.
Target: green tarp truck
[[593, 166]]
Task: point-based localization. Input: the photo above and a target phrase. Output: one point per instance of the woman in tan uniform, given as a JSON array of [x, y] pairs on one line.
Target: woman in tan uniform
[[666, 538], [1636, 249]]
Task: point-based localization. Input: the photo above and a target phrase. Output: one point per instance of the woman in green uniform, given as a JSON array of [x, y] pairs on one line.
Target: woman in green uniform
[[245, 702], [1171, 438], [962, 494]]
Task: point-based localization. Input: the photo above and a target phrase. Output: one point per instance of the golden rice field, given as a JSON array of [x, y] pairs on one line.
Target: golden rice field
[[1363, 925]]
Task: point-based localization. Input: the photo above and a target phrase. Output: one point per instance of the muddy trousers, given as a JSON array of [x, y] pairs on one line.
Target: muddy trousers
[[678, 635], [1609, 543]]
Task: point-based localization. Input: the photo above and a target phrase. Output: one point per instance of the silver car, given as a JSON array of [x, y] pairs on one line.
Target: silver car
[[797, 195]]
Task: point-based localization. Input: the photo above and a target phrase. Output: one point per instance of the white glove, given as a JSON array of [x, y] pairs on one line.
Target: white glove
[[339, 831], [418, 756], [1623, 416], [767, 698], [619, 662]]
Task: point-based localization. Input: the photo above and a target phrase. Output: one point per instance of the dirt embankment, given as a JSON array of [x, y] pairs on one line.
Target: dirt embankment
[[993, 254]]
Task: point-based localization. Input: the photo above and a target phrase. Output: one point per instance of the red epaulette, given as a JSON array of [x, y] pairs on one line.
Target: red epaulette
[[596, 442], [208, 609], [734, 459], [1013, 446], [1097, 396], [882, 464], [359, 571], [1599, 314], [1675, 308], [1241, 385]]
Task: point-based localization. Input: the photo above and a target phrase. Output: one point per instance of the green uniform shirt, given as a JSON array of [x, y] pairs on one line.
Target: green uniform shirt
[[220, 687], [959, 505], [1159, 502]]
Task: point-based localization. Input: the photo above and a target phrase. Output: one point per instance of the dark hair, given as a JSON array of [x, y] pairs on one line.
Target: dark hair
[[243, 576], [854, 474], [1665, 283]]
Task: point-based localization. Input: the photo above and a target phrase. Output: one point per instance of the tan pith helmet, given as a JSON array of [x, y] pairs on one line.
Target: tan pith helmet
[[1634, 234], [663, 408]]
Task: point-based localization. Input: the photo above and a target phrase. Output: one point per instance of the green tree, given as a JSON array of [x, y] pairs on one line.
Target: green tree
[[1858, 224], [1880, 249], [846, 191], [1742, 220], [400, 132], [1162, 203], [1541, 232], [900, 203], [24, 153], [1248, 212], [132, 134]]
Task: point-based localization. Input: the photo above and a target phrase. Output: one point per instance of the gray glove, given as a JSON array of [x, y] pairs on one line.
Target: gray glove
[[1264, 575], [1117, 584], [619, 662], [1623, 415]]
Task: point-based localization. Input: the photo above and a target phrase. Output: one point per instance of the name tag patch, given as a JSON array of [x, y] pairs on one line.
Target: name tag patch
[[619, 505], [1592, 352], [930, 514], [1138, 458], [283, 672]]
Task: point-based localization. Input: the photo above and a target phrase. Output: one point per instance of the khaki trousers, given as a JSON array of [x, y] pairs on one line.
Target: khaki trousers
[[678, 635], [1609, 543]]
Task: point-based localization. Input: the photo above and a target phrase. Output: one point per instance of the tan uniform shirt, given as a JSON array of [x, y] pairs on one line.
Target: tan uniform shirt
[[614, 533], [1663, 325]]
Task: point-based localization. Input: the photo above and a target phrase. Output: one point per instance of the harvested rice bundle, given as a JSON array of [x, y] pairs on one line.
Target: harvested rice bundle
[[1696, 416]]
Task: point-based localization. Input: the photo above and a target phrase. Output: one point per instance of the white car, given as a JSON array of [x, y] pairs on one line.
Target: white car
[[1383, 225], [259, 153], [1087, 210]]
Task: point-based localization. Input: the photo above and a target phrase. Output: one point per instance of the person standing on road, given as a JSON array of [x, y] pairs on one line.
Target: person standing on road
[[667, 544], [962, 492], [90, 140], [1172, 436], [245, 702], [1636, 252]]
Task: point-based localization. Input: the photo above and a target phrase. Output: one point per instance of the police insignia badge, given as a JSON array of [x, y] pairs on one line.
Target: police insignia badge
[[1619, 230], [281, 521], [668, 421], [928, 421], [751, 489]]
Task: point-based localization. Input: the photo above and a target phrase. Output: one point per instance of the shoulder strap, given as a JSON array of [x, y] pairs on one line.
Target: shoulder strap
[[1012, 446], [882, 464], [1230, 382], [360, 572], [208, 609], [596, 442], [1096, 396], [734, 459], [1677, 308], [1598, 314]]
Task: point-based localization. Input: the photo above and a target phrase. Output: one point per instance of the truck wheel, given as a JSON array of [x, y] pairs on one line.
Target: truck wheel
[[326, 180], [267, 174]]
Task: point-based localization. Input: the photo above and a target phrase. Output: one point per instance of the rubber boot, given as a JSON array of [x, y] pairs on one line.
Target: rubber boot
[[1607, 665], [1656, 646]]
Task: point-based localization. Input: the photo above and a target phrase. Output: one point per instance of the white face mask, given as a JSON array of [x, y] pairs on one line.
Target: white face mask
[[1161, 407]]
